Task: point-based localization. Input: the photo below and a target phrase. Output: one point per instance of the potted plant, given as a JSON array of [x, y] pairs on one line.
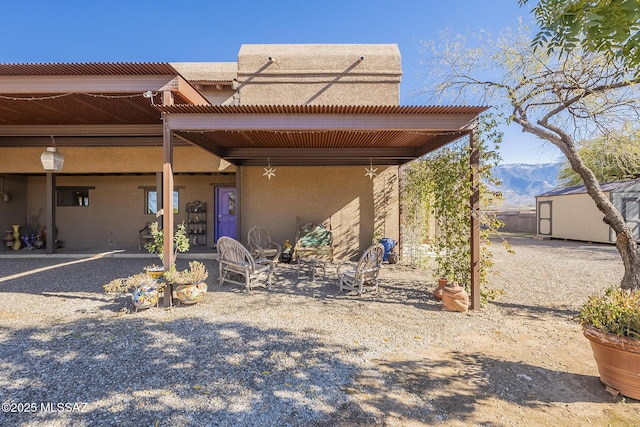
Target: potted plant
[[156, 246], [611, 323], [145, 289], [190, 285], [287, 252]]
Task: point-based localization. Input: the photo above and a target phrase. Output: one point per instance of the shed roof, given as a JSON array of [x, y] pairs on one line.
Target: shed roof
[[616, 186]]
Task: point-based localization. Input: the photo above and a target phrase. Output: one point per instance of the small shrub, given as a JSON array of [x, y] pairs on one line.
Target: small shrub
[[617, 311]]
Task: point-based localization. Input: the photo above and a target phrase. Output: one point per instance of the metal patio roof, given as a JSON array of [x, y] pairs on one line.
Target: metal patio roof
[[97, 104]]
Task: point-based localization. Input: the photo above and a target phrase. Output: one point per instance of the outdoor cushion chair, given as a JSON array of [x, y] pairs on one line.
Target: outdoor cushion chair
[[261, 246], [365, 272], [238, 266], [314, 246]]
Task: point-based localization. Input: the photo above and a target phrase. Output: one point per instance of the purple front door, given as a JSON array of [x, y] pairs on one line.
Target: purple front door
[[225, 212]]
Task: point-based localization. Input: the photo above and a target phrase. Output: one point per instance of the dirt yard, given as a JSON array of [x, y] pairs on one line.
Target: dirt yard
[[305, 354], [520, 361]]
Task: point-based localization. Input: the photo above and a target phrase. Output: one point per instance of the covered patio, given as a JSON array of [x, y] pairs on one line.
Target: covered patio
[[95, 106]]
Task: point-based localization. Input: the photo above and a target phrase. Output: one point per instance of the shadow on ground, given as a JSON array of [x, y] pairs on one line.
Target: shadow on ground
[[462, 388]]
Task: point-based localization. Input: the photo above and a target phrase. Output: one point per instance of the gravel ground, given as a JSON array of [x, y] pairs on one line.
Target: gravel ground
[[303, 353]]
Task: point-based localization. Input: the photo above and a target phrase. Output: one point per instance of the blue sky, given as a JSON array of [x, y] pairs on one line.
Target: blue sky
[[180, 31]]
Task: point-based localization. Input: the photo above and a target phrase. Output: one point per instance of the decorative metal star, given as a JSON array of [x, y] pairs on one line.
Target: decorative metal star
[[269, 172], [371, 172]]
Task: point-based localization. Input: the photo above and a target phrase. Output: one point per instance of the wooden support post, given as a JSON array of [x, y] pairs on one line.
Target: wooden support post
[[167, 204], [474, 161], [51, 213], [239, 171]]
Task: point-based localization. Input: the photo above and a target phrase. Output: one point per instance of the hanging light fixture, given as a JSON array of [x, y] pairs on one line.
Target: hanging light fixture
[[269, 171], [51, 159], [371, 171]]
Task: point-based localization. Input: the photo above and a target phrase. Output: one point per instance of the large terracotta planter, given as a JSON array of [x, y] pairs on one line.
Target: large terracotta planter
[[442, 282], [455, 298], [618, 361]]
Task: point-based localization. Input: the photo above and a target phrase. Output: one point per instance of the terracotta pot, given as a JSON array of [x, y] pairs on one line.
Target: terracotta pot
[[618, 360], [442, 282], [455, 298]]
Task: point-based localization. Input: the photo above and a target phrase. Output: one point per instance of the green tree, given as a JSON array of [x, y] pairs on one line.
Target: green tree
[[612, 158], [562, 100], [437, 185], [611, 27]]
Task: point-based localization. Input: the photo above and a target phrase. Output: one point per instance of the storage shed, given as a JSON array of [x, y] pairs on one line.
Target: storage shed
[[570, 213]]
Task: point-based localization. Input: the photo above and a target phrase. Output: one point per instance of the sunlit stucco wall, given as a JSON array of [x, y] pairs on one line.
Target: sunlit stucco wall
[[355, 206], [319, 74], [111, 159]]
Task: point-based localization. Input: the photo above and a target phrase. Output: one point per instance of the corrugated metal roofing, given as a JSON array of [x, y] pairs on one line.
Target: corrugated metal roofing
[[629, 185], [88, 68], [322, 109]]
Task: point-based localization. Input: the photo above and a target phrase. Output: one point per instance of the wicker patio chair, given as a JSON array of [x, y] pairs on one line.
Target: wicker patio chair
[[261, 245], [354, 277], [238, 266]]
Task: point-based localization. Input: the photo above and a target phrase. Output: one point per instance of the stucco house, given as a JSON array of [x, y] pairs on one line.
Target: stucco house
[[138, 138]]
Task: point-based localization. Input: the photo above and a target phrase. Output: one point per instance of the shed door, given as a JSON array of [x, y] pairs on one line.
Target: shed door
[[544, 218], [631, 214]]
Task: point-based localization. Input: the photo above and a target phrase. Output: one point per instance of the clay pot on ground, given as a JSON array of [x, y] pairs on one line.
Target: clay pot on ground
[[618, 360], [455, 298], [442, 282], [191, 293]]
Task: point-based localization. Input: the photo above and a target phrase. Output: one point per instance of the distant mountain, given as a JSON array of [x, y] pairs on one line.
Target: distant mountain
[[521, 183]]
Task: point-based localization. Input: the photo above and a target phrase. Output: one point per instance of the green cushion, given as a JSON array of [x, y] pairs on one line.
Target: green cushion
[[315, 235]]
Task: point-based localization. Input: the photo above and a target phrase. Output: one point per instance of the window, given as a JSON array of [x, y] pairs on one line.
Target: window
[[151, 202], [631, 209], [73, 196]]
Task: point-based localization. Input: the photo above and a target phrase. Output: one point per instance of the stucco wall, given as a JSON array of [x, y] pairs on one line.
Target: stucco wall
[[110, 159], [308, 74], [356, 206], [116, 210], [13, 212], [576, 217]]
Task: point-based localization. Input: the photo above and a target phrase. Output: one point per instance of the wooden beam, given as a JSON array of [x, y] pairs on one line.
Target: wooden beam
[[437, 142], [474, 161], [187, 91], [428, 123], [324, 153], [85, 84], [83, 141], [167, 206], [201, 141], [51, 213], [81, 130]]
